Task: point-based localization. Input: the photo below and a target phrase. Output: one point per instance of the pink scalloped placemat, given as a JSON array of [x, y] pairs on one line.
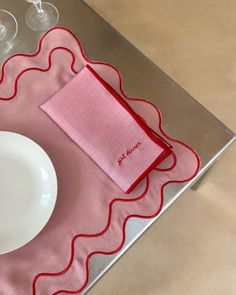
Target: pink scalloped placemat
[[91, 211]]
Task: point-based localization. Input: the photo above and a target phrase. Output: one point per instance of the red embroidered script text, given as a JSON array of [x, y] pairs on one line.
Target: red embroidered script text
[[128, 152]]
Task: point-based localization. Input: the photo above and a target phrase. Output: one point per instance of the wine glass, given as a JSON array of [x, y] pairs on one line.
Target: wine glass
[[41, 16], [8, 29]]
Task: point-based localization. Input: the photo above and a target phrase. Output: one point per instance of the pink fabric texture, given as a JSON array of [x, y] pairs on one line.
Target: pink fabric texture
[[105, 129], [91, 211]]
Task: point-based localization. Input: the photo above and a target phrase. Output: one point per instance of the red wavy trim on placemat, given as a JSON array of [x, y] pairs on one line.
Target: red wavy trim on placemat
[[93, 236], [38, 69], [75, 238], [169, 168]]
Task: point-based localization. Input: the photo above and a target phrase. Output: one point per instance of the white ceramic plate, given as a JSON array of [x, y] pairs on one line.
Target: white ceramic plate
[[28, 190]]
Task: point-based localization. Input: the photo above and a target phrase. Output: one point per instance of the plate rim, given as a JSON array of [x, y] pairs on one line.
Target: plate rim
[[55, 184]]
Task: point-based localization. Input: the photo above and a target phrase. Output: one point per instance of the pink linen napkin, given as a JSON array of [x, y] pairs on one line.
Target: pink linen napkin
[[95, 116], [91, 212]]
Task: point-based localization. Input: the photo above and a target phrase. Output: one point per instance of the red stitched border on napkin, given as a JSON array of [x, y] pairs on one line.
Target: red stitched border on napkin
[[161, 142]]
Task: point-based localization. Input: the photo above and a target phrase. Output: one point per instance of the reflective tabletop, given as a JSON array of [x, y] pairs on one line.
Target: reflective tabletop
[[183, 117]]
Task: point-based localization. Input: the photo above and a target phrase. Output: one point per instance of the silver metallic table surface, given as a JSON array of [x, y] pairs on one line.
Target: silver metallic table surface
[[183, 117]]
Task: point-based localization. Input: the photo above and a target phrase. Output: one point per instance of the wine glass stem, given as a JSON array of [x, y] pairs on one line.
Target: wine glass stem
[[2, 31], [38, 6]]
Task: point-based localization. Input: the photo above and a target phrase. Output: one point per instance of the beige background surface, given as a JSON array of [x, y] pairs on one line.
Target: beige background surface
[[191, 250]]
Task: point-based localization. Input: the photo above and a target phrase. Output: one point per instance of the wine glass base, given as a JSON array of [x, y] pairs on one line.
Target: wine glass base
[[8, 29], [43, 22]]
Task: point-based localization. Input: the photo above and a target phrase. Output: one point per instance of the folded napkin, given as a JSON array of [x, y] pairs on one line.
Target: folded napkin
[[98, 119]]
